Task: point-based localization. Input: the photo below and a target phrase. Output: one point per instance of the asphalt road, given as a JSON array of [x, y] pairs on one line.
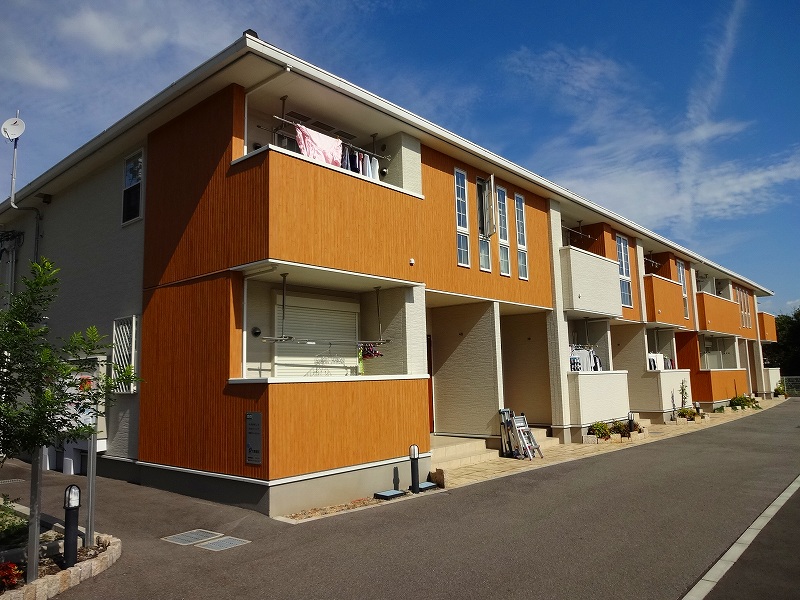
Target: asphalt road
[[644, 522]]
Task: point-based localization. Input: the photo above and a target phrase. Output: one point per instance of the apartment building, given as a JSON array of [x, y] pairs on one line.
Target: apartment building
[[309, 279]]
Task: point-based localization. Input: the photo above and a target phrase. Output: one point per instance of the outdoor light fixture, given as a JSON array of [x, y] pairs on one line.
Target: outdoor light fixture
[[413, 454], [72, 503], [72, 496]]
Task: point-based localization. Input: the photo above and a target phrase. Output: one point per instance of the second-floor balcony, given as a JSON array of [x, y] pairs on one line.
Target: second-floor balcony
[[766, 327], [590, 283], [665, 301], [718, 314]]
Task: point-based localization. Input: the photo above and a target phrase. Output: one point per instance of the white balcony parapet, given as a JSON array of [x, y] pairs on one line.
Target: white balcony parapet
[[597, 396], [590, 283]]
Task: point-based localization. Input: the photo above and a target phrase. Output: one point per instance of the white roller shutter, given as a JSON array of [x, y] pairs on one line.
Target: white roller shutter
[[321, 359]]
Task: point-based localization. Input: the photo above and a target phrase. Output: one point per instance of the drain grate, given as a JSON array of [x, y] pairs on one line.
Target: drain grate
[[223, 543], [194, 536], [11, 481]]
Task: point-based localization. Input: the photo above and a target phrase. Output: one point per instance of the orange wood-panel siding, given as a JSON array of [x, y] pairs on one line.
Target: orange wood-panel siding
[[718, 314], [324, 217], [203, 215], [353, 423], [664, 301], [189, 415], [441, 270], [766, 324], [688, 357], [727, 384]]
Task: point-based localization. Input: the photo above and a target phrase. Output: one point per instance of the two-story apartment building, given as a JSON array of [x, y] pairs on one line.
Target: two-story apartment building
[[309, 279]]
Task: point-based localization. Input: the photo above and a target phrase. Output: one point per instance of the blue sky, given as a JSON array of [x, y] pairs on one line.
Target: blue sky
[[681, 116]]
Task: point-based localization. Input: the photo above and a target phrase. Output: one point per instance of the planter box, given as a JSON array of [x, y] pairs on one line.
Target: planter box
[[727, 410], [681, 421], [636, 436], [616, 438], [589, 439]]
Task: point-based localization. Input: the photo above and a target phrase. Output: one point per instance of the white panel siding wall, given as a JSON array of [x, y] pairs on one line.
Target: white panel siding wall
[[467, 377], [526, 370], [101, 272], [404, 169], [403, 322], [771, 378], [260, 311], [650, 391], [597, 396], [590, 282]]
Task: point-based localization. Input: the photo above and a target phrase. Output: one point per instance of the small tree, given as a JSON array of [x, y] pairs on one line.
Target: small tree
[[50, 392]]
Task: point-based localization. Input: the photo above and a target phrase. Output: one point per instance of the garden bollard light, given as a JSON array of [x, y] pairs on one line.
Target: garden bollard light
[[72, 503], [413, 454]]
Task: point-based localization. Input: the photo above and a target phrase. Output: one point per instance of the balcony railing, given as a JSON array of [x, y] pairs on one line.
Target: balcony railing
[[665, 301], [718, 314], [590, 283], [766, 325], [597, 396]]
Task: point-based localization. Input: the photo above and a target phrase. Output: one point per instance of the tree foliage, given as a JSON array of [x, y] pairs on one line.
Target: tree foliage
[[50, 391], [786, 353]]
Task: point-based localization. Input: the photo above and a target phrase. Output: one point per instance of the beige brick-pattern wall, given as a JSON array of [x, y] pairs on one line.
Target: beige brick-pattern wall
[[467, 372], [526, 369]]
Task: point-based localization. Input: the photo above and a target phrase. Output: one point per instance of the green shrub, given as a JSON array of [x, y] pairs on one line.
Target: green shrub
[[600, 430], [621, 427], [13, 528], [719, 409], [780, 389], [687, 413], [742, 401]]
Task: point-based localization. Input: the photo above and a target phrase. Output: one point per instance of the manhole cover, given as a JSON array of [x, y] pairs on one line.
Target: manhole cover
[[11, 481], [191, 537], [223, 543]]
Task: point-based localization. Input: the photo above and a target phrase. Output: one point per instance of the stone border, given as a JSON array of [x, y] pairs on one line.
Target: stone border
[[50, 586]]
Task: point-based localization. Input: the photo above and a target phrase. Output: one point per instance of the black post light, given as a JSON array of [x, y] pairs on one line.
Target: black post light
[[72, 503], [413, 454]]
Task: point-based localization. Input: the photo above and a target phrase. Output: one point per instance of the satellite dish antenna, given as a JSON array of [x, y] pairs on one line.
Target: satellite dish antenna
[[13, 128]]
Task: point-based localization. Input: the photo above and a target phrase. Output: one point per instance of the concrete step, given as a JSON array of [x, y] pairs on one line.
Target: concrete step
[[451, 452]]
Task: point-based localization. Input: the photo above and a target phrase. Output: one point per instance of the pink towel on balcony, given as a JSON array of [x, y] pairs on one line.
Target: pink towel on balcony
[[319, 146]]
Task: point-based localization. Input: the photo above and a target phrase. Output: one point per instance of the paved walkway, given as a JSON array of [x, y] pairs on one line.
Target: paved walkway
[[502, 467]]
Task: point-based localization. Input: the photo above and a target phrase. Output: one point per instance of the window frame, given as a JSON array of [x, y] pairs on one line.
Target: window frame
[[482, 192], [680, 267], [624, 262], [462, 231], [503, 237], [126, 187], [522, 240]]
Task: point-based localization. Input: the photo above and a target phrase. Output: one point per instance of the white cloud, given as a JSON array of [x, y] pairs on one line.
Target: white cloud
[[114, 32], [793, 303], [619, 150]]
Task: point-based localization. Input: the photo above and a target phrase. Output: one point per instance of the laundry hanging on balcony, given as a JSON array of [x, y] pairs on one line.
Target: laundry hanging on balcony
[[318, 146], [584, 358]]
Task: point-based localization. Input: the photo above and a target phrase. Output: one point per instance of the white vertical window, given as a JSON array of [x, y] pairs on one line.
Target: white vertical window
[[502, 230], [132, 188], [741, 296], [462, 224], [623, 257], [522, 243], [682, 280], [484, 218], [123, 352]]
